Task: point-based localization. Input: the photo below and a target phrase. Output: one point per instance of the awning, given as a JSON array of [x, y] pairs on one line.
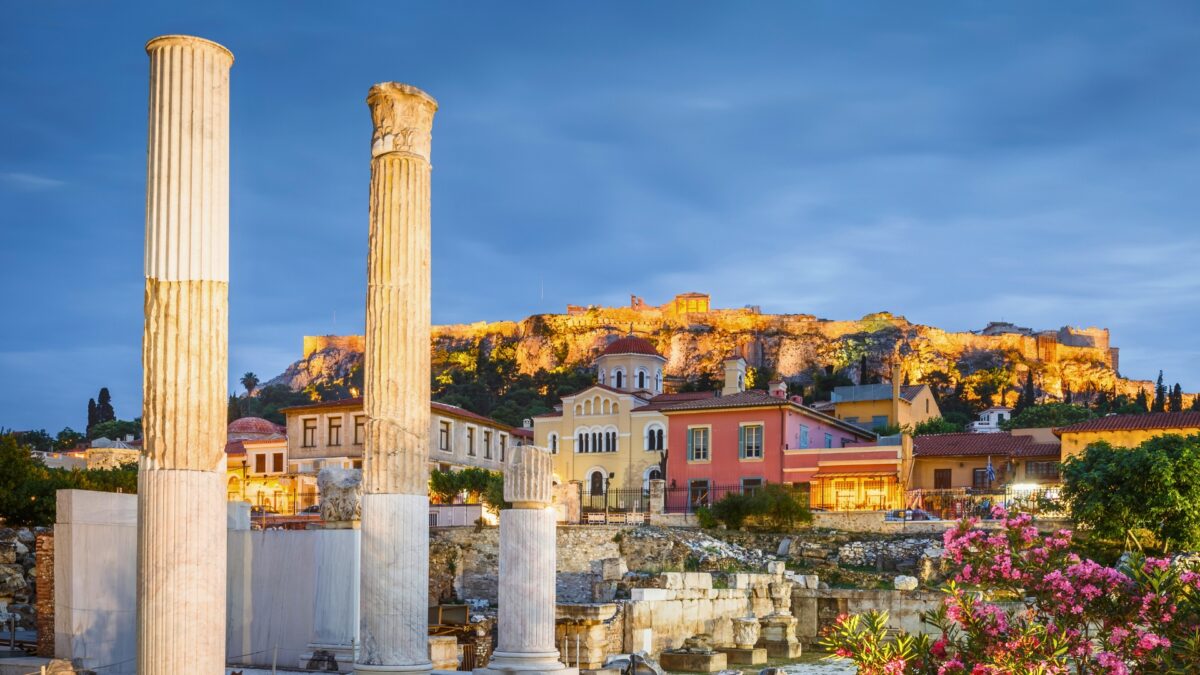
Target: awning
[[855, 474]]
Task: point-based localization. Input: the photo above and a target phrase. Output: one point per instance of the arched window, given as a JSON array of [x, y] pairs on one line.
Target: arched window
[[655, 437], [581, 440], [641, 379], [616, 408], [610, 440], [619, 379], [597, 442], [552, 441], [578, 409], [658, 381], [607, 406], [596, 482], [601, 376], [652, 473], [587, 407]]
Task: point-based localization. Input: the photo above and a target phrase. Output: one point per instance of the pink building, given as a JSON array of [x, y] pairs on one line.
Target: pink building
[[748, 438]]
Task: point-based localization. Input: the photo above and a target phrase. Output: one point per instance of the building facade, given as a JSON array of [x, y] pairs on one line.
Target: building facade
[[613, 434], [875, 406], [1125, 431]]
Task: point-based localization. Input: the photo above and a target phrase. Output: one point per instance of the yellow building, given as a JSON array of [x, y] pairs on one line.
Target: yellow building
[[612, 434], [960, 461], [256, 464], [1125, 431], [872, 406]]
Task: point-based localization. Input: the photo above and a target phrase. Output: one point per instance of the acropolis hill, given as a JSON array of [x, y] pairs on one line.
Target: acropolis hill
[[695, 337]]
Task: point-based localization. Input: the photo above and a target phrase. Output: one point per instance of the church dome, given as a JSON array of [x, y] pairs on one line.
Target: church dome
[[246, 428], [630, 345]]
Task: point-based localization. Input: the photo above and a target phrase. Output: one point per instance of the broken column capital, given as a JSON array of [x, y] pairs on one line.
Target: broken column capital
[[529, 480], [403, 119]]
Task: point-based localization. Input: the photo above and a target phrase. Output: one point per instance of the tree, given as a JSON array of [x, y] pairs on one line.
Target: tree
[[67, 439], [233, 410], [250, 382], [1135, 495], [936, 425], [1140, 404], [1175, 402], [1160, 395], [1196, 403], [117, 429], [104, 409], [91, 419], [1028, 397], [1048, 415], [28, 487]]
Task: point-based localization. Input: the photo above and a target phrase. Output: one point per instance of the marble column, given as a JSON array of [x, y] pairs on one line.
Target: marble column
[[334, 639], [394, 591], [181, 478], [528, 552]]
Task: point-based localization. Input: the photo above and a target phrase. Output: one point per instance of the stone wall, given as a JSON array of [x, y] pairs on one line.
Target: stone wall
[[17, 579], [44, 596], [818, 608], [874, 522]]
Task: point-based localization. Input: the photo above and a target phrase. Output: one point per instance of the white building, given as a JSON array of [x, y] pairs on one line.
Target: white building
[[989, 421]]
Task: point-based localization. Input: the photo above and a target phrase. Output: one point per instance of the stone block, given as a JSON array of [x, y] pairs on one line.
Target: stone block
[[672, 580], [755, 656], [697, 580], [609, 569], [739, 581], [650, 594], [784, 650], [693, 663], [776, 567], [443, 652], [905, 583]]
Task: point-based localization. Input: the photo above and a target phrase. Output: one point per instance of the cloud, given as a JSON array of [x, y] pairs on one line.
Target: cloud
[[30, 182]]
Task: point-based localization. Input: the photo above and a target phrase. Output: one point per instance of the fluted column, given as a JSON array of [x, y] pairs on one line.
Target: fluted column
[[528, 553], [394, 596], [181, 481]]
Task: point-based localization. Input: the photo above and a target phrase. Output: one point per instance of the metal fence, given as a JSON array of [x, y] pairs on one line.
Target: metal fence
[[688, 499], [615, 500]]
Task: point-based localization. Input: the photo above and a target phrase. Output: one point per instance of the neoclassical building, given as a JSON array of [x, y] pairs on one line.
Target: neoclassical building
[[613, 429]]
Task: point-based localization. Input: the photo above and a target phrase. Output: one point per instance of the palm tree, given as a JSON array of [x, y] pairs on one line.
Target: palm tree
[[250, 382]]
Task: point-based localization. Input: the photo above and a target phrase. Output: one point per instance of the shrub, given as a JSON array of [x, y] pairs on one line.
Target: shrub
[[733, 509], [772, 506], [706, 518]]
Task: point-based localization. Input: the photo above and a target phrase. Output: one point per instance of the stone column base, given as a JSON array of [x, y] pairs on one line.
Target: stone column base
[[525, 663], [692, 663]]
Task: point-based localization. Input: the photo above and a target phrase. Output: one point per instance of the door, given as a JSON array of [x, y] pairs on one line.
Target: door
[[941, 479]]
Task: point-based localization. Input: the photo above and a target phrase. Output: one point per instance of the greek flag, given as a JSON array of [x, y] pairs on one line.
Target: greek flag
[[991, 472]]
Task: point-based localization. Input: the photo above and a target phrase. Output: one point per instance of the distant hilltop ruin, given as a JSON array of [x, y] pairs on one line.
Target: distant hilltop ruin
[[695, 337]]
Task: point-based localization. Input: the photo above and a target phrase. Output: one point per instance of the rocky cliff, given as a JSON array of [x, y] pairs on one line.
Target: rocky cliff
[[791, 346]]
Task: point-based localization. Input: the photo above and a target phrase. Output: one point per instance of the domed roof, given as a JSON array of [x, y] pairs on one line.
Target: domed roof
[[247, 428], [630, 345]]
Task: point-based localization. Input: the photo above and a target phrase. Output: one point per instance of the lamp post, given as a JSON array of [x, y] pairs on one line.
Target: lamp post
[[244, 465]]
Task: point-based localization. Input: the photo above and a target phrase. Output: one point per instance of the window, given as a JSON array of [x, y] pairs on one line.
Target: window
[[503, 444], [1047, 470], [828, 440], [749, 485], [641, 379], [596, 483], [879, 421], [698, 445], [471, 441], [581, 440], [357, 464], [444, 436], [851, 420], [698, 493], [310, 433], [277, 462], [487, 443], [335, 431], [552, 441], [979, 479], [803, 436], [618, 379], [751, 442], [360, 429], [260, 464], [657, 381], [655, 437], [601, 378], [941, 479], [926, 406]]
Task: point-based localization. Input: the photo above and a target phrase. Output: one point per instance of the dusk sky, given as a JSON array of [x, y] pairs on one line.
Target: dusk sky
[[956, 163]]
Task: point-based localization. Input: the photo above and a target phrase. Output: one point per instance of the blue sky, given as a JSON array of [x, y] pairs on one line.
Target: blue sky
[[953, 162]]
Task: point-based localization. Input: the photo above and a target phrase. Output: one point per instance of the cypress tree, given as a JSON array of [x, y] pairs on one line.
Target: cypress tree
[[91, 422], [1160, 395], [1175, 403], [104, 409], [1141, 401]]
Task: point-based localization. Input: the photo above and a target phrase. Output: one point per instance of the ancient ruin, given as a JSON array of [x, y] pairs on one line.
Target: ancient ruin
[[336, 604], [181, 482], [528, 552], [395, 504]]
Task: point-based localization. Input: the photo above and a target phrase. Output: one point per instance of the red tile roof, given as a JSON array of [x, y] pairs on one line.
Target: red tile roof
[[1170, 420], [630, 345], [1001, 444], [665, 400]]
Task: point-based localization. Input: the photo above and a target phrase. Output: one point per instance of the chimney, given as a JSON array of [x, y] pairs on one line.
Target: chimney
[[798, 399], [735, 376], [777, 388], [896, 393]]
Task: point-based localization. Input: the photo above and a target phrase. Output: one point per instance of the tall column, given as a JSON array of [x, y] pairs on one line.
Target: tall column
[[181, 478], [528, 552], [394, 595]]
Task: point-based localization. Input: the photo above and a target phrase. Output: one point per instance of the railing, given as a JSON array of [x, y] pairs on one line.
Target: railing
[[688, 499], [615, 500], [956, 503]]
